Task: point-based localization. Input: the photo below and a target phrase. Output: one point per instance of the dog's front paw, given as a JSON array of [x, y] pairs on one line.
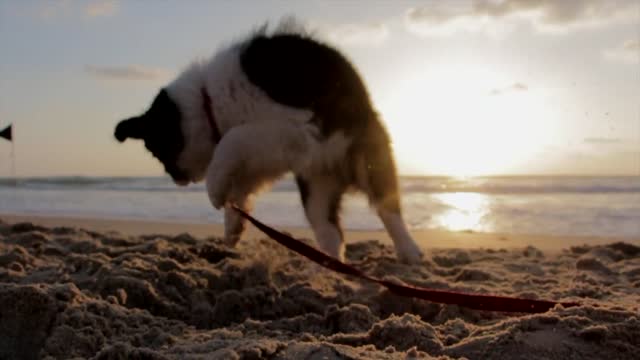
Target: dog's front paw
[[217, 189], [218, 202], [410, 254], [231, 240], [218, 198]]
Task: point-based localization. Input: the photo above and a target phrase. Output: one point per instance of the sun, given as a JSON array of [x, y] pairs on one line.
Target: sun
[[449, 121]]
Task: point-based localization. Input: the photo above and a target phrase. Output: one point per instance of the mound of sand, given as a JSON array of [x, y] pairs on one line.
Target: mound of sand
[[67, 293]]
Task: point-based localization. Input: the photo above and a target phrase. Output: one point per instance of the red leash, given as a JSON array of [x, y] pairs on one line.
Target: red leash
[[473, 301], [206, 105]]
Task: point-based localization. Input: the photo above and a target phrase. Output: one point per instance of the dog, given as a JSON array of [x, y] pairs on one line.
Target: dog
[[268, 105]]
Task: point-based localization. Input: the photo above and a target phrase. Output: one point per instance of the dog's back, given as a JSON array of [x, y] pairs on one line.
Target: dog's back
[[298, 71]]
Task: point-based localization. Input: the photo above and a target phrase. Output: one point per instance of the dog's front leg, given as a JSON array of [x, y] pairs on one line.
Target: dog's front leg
[[234, 224], [232, 184], [241, 195], [258, 151], [227, 159]]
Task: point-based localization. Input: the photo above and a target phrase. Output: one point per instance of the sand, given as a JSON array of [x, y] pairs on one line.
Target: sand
[[67, 293]]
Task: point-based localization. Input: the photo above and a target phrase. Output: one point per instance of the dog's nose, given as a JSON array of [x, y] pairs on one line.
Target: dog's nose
[[181, 182], [129, 128], [178, 176]]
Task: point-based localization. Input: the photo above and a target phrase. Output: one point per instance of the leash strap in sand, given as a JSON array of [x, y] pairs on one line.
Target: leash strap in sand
[[473, 301]]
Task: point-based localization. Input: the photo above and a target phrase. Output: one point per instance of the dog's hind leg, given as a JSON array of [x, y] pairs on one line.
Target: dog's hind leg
[[321, 196], [378, 178]]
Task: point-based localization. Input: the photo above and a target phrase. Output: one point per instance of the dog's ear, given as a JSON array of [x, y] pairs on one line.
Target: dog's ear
[[130, 128]]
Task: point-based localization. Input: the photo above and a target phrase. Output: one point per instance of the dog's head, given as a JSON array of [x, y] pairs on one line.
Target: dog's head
[[168, 135]]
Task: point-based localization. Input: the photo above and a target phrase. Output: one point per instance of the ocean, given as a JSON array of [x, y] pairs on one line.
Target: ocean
[[543, 205]]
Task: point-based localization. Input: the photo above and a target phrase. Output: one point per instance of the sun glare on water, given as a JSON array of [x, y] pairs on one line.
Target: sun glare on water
[[467, 211], [465, 121]]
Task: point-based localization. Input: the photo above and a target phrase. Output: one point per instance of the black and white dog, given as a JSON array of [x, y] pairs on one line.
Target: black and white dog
[[268, 105]]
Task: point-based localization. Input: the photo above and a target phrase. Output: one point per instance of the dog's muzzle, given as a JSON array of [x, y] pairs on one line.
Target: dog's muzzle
[[179, 177]]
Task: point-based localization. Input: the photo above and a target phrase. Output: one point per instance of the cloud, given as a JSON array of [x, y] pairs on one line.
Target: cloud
[[560, 13], [437, 18], [628, 52], [56, 9], [602, 141], [131, 72], [362, 34], [53, 9], [101, 8], [515, 87], [443, 18]]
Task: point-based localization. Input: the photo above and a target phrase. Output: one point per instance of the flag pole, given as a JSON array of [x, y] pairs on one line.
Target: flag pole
[[13, 163], [7, 133]]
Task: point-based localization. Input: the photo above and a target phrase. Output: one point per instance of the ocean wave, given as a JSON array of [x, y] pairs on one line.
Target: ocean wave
[[489, 185], [524, 185]]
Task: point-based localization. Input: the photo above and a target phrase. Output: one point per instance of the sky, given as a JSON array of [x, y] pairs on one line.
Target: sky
[[478, 87]]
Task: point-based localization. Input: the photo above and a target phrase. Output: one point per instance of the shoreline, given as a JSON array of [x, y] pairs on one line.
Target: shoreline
[[435, 238]]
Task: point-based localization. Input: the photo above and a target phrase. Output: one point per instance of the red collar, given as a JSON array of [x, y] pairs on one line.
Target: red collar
[[207, 105]]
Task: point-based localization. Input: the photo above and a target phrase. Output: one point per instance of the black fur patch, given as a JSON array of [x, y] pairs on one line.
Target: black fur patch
[[300, 72], [160, 129]]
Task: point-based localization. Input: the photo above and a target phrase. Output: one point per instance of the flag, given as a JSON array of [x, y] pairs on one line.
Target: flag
[[6, 133]]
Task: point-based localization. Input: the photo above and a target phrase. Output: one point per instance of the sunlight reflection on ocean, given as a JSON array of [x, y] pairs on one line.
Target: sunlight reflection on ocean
[[467, 211]]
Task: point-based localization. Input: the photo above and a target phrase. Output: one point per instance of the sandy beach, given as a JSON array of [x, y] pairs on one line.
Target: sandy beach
[[116, 289]]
